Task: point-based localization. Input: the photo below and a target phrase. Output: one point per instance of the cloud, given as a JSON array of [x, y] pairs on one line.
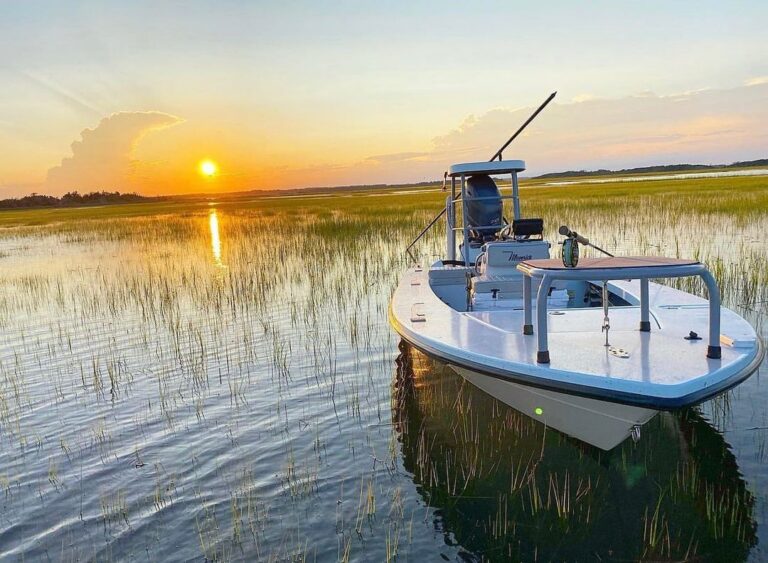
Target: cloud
[[102, 159], [398, 157], [704, 126], [756, 81], [584, 98]]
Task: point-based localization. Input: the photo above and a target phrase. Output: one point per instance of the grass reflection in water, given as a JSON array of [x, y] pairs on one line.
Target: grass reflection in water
[[507, 488]]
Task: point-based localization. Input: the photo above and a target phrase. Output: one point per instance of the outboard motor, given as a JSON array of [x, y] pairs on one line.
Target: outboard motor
[[486, 212]]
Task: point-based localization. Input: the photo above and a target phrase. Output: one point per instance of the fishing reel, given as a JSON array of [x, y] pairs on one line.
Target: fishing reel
[[570, 248], [570, 252]]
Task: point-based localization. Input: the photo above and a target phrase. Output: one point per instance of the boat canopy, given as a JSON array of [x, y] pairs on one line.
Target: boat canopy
[[495, 167]]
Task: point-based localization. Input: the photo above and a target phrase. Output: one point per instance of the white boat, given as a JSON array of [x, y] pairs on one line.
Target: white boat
[[592, 349]]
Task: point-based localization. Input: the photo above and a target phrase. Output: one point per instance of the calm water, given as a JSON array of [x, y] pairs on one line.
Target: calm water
[[680, 176], [225, 385]]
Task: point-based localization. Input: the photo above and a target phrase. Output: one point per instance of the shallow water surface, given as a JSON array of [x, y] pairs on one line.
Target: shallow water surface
[[679, 176], [224, 385]]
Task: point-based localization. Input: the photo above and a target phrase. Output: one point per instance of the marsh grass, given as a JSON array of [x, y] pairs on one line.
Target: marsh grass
[[221, 398]]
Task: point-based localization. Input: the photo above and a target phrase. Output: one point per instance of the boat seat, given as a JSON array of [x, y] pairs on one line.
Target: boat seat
[[449, 275], [508, 286], [502, 257], [510, 293]]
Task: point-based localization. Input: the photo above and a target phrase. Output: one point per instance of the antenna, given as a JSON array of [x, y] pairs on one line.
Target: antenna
[[523, 126]]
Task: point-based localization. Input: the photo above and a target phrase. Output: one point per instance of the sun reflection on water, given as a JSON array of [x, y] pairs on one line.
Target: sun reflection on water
[[213, 223]]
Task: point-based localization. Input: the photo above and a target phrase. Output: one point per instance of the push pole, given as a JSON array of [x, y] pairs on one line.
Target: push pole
[[523, 126]]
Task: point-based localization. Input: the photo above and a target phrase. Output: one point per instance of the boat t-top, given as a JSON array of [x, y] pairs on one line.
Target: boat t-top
[[590, 347]]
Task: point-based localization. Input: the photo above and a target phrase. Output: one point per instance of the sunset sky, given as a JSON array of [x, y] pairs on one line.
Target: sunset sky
[[132, 96]]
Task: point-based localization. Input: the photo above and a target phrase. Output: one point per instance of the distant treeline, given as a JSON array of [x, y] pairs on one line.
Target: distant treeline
[[646, 169], [326, 189], [73, 199]]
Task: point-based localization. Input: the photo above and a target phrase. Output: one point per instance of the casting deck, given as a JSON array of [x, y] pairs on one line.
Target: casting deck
[[663, 370]]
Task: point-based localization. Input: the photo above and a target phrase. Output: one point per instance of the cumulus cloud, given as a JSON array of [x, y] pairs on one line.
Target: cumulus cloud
[[706, 126], [103, 157]]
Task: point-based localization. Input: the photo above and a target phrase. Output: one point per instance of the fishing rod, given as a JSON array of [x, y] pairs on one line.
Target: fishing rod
[[566, 232], [570, 256], [570, 250], [523, 126]]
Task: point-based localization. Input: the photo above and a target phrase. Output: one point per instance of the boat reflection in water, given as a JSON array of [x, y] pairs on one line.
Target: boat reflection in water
[[506, 488]]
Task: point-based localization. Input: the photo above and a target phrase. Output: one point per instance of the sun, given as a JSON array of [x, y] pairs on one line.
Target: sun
[[208, 168]]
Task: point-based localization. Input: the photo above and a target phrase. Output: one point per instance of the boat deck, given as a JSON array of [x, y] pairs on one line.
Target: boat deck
[[662, 370]]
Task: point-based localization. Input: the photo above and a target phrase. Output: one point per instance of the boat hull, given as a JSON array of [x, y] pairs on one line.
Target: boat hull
[[600, 423], [586, 391]]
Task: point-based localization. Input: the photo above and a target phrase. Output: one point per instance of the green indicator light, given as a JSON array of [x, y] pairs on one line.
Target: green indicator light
[[539, 411]]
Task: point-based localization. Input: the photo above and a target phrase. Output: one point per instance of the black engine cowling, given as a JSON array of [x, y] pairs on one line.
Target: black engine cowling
[[487, 212]]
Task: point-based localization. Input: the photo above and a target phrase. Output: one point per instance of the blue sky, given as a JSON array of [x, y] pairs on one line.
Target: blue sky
[[296, 93]]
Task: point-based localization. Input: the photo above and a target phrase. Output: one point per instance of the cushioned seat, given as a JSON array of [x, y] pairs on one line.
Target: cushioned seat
[[448, 275], [509, 287]]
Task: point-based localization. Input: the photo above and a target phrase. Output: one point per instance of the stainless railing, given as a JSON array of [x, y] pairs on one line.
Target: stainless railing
[[453, 227], [422, 233]]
